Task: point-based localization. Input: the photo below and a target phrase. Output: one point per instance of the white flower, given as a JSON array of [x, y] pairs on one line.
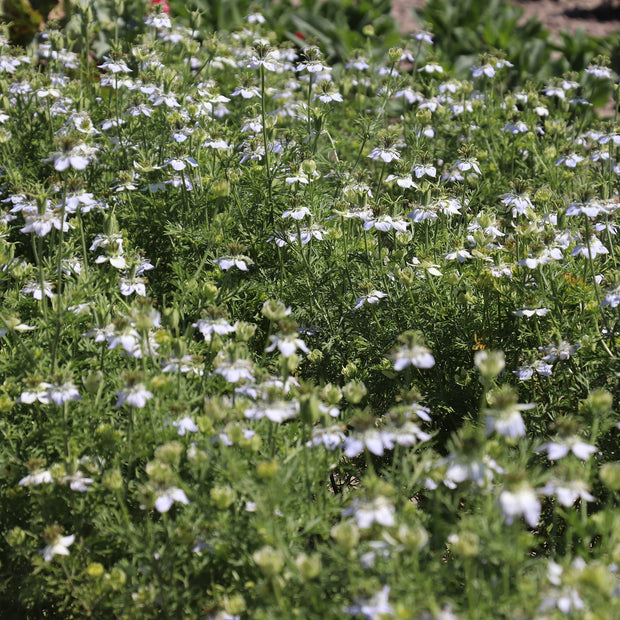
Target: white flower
[[480, 70], [592, 251], [234, 372], [286, 344], [78, 482], [570, 161], [34, 289], [431, 68], [385, 223], [522, 502], [277, 411], [36, 478], [599, 71], [384, 154], [60, 394], [239, 261], [59, 546], [530, 313], [185, 425], [562, 446], [371, 298], [568, 492], [366, 512], [135, 395], [164, 501], [418, 356], [208, 327], [460, 255], [374, 608], [406, 182]]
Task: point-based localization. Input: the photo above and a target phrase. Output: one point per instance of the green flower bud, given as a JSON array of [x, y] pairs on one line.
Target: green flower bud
[[92, 382], [170, 453], [490, 363], [309, 566], [394, 54], [346, 534], [234, 604], [275, 310], [465, 544], [308, 166], [610, 475], [245, 331], [117, 578], [269, 560], [15, 537], [267, 469], [112, 480], [413, 539], [223, 497], [95, 570], [354, 391]]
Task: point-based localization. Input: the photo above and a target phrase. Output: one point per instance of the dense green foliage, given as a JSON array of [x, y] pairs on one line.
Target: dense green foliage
[[290, 338]]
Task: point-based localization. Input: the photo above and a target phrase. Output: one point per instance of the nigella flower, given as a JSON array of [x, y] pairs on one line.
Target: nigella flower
[[264, 57], [239, 261], [385, 223], [591, 250], [599, 71], [372, 298], [42, 223], [375, 441], [366, 512], [385, 154], [59, 545], [416, 355], [487, 70], [612, 298], [421, 170], [526, 371], [287, 344], [64, 393], [515, 128], [519, 202], [373, 608], [570, 161], [36, 478], [277, 411], [405, 181], [568, 492], [504, 413], [520, 502], [233, 371], [460, 255], [563, 351], [299, 213], [166, 498], [78, 482], [330, 438], [34, 289], [431, 68], [530, 313], [185, 364], [77, 158], [410, 95], [114, 66], [559, 448], [136, 395], [208, 327]]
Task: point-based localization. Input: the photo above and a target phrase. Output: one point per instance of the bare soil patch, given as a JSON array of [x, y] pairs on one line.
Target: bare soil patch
[[598, 17]]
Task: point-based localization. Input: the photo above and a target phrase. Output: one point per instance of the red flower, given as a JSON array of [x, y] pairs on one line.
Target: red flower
[[165, 5], [299, 35]]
